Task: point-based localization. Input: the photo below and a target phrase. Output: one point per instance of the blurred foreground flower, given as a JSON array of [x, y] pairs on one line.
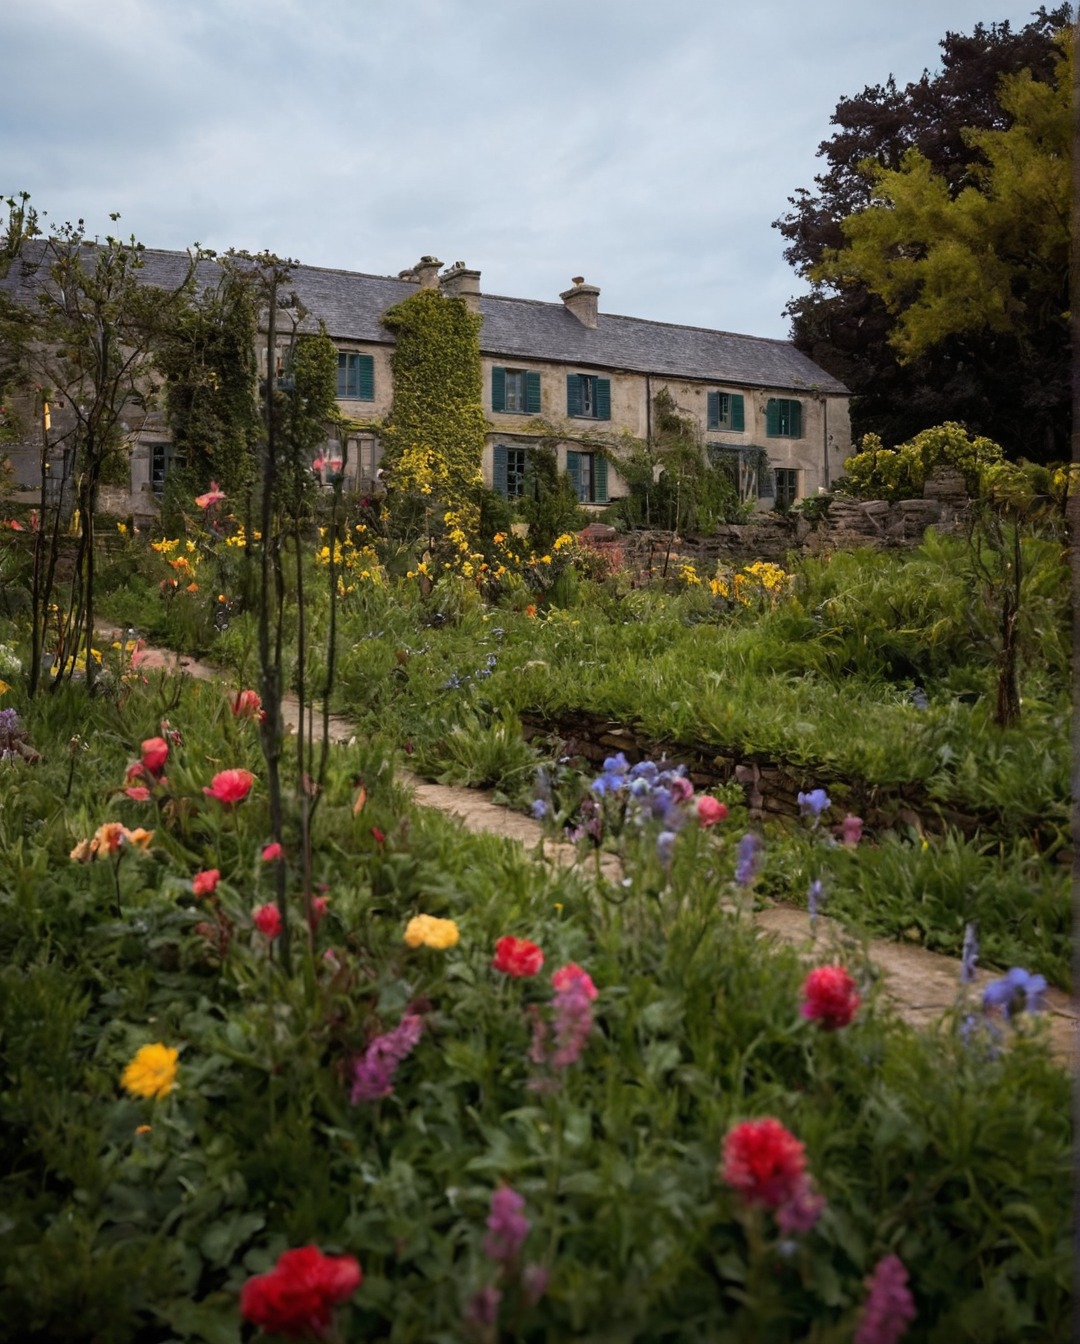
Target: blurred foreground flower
[[246, 705], [517, 957], [213, 496], [1017, 991], [507, 1225], [230, 786], [267, 919], [297, 1297], [830, 997], [205, 883], [152, 1071], [764, 1162], [889, 1308]]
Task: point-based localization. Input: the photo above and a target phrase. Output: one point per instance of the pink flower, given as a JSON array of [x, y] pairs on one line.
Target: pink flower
[[267, 919], [246, 705], [517, 957], [205, 883], [801, 1212], [213, 496], [318, 463], [155, 752], [272, 852], [710, 810], [851, 830], [320, 908], [373, 1073], [889, 1308], [507, 1225], [830, 997], [139, 792], [764, 1162], [230, 786], [571, 974], [378, 836]]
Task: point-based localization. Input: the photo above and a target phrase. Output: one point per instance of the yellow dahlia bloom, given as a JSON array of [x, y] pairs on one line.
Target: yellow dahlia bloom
[[427, 931], [152, 1072]]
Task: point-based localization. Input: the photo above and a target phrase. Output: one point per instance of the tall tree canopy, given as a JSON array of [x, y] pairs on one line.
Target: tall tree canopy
[[948, 134]]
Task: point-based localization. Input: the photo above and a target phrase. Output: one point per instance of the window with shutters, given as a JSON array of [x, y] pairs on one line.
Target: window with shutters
[[515, 391], [726, 411], [355, 376], [783, 418], [747, 468], [589, 474], [510, 470], [163, 458], [588, 397]]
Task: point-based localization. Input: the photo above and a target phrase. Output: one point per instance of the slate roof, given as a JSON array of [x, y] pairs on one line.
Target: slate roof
[[350, 304]]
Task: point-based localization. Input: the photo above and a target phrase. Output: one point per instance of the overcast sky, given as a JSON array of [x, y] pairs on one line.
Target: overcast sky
[[646, 146]]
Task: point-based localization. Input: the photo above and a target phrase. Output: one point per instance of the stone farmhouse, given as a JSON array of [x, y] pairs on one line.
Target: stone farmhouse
[[564, 372]]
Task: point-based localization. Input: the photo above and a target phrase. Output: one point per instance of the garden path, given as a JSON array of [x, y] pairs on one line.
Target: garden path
[[920, 984]]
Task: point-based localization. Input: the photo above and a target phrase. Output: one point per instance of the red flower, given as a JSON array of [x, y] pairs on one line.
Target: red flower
[[571, 974], [830, 997], [230, 786], [517, 957], [272, 852], [710, 810], [267, 919], [764, 1162], [247, 705], [139, 792], [155, 752], [204, 883], [378, 836], [297, 1297]]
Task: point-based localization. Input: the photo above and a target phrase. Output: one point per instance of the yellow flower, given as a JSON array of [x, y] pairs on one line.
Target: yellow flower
[[152, 1073], [139, 837], [122, 529], [427, 931]]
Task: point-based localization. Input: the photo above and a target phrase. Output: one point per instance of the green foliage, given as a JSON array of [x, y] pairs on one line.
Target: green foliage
[[548, 501], [992, 257], [433, 440], [876, 472]]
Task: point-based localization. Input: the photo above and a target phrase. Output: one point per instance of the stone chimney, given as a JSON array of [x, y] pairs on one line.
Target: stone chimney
[[425, 272], [458, 282], [581, 300]]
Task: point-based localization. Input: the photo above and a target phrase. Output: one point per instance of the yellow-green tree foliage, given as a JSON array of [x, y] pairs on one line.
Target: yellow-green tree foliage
[[434, 436], [993, 257], [876, 472]]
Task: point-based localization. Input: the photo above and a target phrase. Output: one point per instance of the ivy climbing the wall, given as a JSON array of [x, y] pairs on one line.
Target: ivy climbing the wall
[[434, 437]]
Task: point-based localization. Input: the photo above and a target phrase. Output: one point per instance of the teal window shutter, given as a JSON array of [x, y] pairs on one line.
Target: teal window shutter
[[366, 378], [573, 470], [713, 417], [498, 389], [600, 491], [498, 469], [796, 419], [766, 486], [532, 394], [772, 418], [738, 415], [603, 398], [574, 400], [343, 374]]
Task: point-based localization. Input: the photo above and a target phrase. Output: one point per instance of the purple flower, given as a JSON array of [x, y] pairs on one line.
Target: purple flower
[[539, 809], [572, 1008], [969, 954], [373, 1072], [507, 1225], [747, 859], [665, 846], [646, 770], [815, 802], [799, 1213], [851, 830], [616, 765], [1006, 993], [483, 1310], [889, 1307], [534, 1282]]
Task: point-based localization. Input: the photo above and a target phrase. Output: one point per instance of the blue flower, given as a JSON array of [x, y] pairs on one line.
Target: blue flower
[[969, 954], [1006, 993], [647, 770], [814, 897], [747, 859], [539, 809], [815, 802], [665, 846], [616, 765]]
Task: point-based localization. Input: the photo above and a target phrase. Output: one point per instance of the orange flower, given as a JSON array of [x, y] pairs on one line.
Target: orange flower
[[108, 838]]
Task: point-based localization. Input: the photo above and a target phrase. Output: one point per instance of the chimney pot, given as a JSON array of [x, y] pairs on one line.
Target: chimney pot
[[582, 301], [426, 271], [459, 282]]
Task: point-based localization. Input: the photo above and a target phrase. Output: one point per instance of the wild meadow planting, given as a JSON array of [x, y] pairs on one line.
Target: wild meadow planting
[[284, 1055]]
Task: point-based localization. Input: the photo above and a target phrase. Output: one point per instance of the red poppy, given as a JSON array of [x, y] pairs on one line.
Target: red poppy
[[139, 792], [247, 705], [710, 810], [267, 919], [764, 1162], [830, 997], [155, 752], [517, 957], [230, 786], [204, 883], [272, 852], [297, 1297]]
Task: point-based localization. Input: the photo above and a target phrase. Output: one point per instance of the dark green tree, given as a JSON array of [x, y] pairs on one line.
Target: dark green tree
[[1012, 385]]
